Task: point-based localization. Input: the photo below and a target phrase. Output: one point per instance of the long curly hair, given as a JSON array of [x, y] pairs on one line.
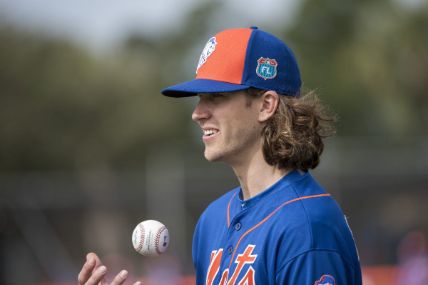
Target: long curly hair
[[293, 136]]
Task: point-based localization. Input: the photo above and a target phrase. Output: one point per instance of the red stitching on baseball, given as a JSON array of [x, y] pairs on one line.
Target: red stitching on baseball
[[158, 234], [141, 240]]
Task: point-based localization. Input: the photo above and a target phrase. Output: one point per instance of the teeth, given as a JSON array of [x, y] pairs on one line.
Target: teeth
[[209, 132]]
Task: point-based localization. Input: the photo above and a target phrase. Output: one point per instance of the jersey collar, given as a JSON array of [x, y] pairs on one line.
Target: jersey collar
[[282, 183]]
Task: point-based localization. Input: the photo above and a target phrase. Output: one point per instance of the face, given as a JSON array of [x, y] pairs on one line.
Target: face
[[230, 126]]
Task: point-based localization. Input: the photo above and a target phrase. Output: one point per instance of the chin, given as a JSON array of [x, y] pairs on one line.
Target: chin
[[212, 156]]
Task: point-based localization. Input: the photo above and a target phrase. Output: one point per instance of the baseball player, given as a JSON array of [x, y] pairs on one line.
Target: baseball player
[[279, 226]]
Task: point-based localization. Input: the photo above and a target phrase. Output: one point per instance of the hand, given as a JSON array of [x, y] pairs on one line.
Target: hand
[[93, 273]]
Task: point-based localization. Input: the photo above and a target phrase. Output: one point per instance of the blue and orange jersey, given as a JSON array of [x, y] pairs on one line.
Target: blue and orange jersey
[[292, 233]]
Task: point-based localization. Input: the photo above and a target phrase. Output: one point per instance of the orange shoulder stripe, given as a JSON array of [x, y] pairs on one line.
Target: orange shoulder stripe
[[269, 216]]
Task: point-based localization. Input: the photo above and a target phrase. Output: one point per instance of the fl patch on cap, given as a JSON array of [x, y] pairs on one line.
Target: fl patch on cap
[[237, 59]]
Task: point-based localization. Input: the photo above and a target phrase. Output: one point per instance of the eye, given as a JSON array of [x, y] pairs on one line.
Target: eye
[[212, 97], [218, 95]]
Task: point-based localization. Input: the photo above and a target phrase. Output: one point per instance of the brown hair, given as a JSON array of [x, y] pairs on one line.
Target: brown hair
[[293, 136]]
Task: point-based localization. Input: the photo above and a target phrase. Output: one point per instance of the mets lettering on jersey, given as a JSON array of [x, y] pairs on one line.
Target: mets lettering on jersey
[[242, 260], [292, 233]]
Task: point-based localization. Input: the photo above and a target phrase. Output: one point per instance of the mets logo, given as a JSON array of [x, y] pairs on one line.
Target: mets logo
[[326, 280], [206, 52], [266, 68], [246, 258]]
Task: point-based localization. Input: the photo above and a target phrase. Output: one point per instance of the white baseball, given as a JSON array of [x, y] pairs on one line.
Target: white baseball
[[150, 238]]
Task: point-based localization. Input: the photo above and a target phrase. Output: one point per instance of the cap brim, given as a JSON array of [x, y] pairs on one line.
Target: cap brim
[[193, 87]]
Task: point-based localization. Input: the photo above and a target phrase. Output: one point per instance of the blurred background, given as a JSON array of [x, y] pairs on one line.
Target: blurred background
[[89, 147]]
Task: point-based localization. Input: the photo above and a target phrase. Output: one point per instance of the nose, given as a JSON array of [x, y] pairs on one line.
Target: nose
[[201, 111]]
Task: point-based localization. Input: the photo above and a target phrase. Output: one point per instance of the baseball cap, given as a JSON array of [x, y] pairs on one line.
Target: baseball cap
[[237, 59]]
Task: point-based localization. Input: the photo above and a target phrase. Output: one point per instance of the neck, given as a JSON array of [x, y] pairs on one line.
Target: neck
[[255, 175]]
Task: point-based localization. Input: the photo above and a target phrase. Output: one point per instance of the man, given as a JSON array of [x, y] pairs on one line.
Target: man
[[279, 226]]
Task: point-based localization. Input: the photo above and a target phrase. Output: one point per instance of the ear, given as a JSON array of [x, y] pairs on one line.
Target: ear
[[268, 105]]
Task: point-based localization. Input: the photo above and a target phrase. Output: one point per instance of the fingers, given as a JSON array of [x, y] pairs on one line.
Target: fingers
[[120, 278], [97, 276], [92, 255], [86, 271], [93, 273]]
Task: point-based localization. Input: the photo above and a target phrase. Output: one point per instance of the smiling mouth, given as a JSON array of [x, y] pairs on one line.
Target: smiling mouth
[[210, 132]]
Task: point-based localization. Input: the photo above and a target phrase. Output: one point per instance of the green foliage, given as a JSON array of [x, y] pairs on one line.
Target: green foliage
[[369, 60], [65, 109]]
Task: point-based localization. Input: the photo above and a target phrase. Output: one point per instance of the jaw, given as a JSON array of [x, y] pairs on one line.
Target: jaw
[[237, 153], [211, 153], [213, 146]]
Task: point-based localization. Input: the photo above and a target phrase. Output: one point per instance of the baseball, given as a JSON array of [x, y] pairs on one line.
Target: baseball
[[150, 238]]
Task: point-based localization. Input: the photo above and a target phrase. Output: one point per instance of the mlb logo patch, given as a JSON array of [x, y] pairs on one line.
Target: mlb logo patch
[[326, 280], [266, 68]]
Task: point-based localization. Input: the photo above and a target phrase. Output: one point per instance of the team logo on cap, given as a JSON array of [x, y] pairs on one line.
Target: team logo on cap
[[207, 51], [326, 280], [266, 68]]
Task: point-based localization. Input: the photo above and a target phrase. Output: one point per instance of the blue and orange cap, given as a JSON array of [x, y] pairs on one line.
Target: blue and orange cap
[[237, 59]]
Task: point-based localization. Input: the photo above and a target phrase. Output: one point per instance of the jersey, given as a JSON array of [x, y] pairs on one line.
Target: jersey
[[293, 233]]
